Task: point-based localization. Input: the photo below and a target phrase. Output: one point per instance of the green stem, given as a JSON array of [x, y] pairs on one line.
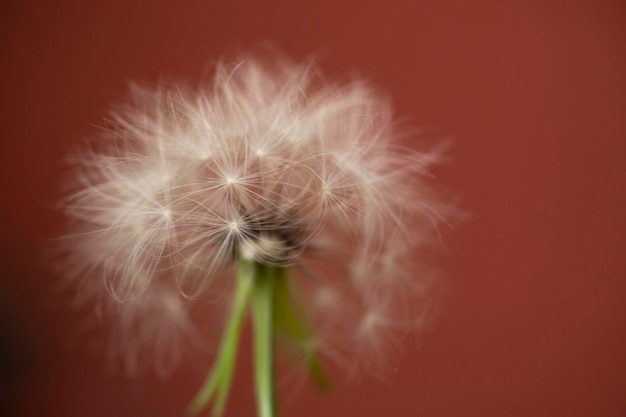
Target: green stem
[[218, 381], [291, 322], [262, 309], [276, 308]]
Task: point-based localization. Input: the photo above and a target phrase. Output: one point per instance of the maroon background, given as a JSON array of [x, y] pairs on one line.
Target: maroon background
[[533, 94]]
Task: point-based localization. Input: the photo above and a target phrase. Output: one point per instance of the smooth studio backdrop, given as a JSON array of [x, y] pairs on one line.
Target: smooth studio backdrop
[[533, 96]]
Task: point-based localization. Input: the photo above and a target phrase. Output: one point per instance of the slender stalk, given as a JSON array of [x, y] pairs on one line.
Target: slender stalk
[[262, 309], [218, 382]]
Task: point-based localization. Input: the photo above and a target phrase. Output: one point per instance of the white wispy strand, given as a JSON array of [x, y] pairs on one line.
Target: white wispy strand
[[270, 162]]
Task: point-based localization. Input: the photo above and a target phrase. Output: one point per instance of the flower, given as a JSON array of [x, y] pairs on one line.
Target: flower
[[270, 163]]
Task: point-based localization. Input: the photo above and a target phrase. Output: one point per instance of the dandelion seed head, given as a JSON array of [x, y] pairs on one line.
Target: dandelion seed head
[[325, 298], [369, 323], [233, 225], [266, 161]]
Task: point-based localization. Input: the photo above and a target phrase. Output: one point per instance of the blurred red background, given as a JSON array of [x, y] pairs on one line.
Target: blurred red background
[[534, 96]]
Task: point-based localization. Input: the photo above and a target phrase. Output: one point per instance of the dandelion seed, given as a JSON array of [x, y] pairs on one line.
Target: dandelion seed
[[288, 194]]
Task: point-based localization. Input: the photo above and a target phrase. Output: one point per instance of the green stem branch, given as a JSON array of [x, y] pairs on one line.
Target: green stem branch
[[275, 308], [218, 382]]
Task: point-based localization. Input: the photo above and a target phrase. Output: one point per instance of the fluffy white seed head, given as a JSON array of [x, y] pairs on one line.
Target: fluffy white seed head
[[267, 162]]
